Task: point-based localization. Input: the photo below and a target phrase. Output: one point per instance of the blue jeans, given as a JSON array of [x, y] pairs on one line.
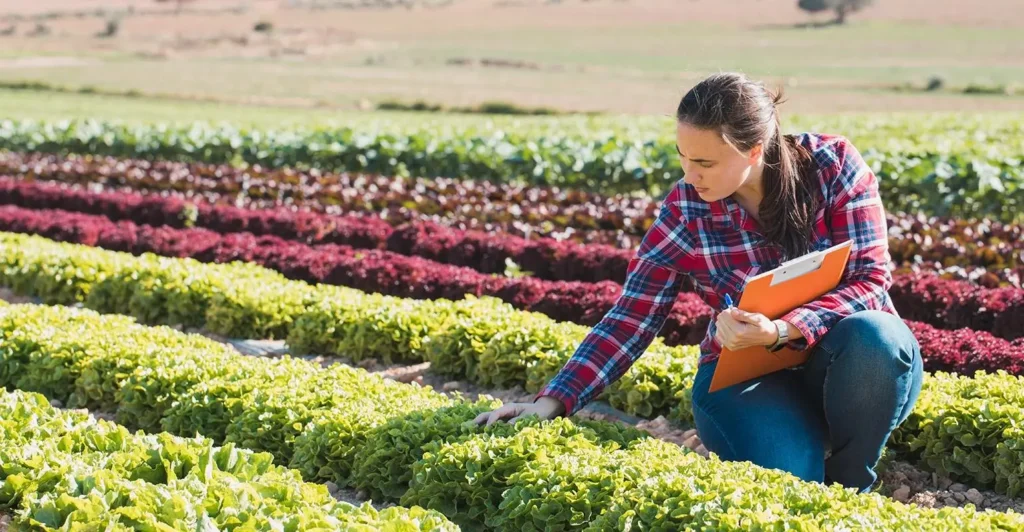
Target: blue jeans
[[859, 383]]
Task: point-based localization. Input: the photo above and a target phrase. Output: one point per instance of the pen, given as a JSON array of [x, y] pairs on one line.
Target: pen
[[728, 301]]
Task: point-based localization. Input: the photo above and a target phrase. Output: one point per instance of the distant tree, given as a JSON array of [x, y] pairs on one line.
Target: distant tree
[[113, 26], [841, 7], [178, 3]]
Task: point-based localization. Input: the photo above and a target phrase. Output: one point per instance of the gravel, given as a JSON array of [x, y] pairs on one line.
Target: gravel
[[9, 296], [906, 483], [353, 497]]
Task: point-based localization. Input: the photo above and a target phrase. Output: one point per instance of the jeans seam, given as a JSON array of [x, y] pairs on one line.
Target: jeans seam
[[824, 393], [732, 450], [824, 382], [909, 376]]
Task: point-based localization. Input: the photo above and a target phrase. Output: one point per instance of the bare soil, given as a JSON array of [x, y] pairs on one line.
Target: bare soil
[[479, 14]]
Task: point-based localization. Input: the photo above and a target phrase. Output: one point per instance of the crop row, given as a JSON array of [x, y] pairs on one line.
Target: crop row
[[243, 300], [65, 470], [410, 444], [535, 211], [464, 203], [484, 252], [375, 271], [947, 184], [991, 254], [368, 270], [940, 302], [483, 340]]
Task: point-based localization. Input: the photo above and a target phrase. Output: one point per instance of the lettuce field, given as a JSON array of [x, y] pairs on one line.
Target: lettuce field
[[480, 256]]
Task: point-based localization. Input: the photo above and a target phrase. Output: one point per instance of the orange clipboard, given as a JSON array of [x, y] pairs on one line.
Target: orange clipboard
[[774, 293]]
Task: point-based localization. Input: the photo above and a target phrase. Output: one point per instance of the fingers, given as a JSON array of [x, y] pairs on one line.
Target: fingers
[[501, 412], [490, 416], [726, 334], [737, 329], [746, 317]]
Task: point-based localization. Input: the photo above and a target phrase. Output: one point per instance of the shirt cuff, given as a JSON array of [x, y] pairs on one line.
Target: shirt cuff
[[566, 399], [808, 323]]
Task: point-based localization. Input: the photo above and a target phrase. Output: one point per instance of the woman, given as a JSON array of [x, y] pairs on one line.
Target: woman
[[752, 197]]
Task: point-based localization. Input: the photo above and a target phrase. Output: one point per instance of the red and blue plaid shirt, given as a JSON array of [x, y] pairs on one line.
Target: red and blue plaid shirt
[[719, 245]]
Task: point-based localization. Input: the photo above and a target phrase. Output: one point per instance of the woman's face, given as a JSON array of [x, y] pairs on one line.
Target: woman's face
[[711, 165]]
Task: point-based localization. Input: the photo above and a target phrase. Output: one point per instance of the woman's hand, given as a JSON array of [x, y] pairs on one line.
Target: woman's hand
[[545, 407], [737, 329]]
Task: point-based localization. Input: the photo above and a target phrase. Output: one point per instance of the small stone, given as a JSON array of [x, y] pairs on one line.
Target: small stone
[[975, 496], [960, 497], [925, 499], [902, 494], [332, 487], [918, 476], [362, 495], [56, 403], [451, 386], [949, 501], [958, 488], [418, 380], [943, 483]]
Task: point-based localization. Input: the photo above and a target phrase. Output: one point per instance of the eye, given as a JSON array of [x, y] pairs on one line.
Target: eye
[[706, 165]]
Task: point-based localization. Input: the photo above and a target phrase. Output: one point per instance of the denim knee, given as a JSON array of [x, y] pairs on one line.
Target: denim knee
[[878, 338], [766, 421]]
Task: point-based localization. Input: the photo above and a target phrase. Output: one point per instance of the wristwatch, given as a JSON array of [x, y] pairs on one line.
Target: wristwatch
[[783, 329]]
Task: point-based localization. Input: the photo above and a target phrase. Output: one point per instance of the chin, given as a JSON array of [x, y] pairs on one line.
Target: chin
[[708, 196]]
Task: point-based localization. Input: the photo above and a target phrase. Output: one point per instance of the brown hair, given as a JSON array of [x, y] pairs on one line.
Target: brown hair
[[745, 113]]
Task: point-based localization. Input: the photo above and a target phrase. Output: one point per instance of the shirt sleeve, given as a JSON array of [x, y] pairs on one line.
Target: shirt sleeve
[[856, 214], [653, 281]]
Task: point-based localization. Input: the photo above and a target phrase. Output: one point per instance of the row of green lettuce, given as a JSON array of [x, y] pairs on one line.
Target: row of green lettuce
[[398, 442], [962, 178], [65, 470], [970, 428]]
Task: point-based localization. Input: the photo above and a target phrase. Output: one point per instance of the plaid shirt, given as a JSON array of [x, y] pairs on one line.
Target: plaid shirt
[[719, 245]]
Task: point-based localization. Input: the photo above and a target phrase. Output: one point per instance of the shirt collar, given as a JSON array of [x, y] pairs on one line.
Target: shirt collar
[[727, 213]]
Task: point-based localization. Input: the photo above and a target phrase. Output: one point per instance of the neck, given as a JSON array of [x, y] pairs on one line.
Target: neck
[[750, 194]]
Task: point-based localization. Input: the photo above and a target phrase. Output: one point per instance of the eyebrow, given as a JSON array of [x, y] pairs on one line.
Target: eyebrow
[[680, 152]]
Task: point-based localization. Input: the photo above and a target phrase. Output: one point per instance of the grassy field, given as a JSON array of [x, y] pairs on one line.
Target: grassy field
[[50, 106], [577, 56]]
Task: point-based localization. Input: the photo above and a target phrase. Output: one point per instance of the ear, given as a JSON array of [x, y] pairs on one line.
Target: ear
[[757, 152]]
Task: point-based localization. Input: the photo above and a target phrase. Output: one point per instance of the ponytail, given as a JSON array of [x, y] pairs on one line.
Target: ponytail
[[790, 196]]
